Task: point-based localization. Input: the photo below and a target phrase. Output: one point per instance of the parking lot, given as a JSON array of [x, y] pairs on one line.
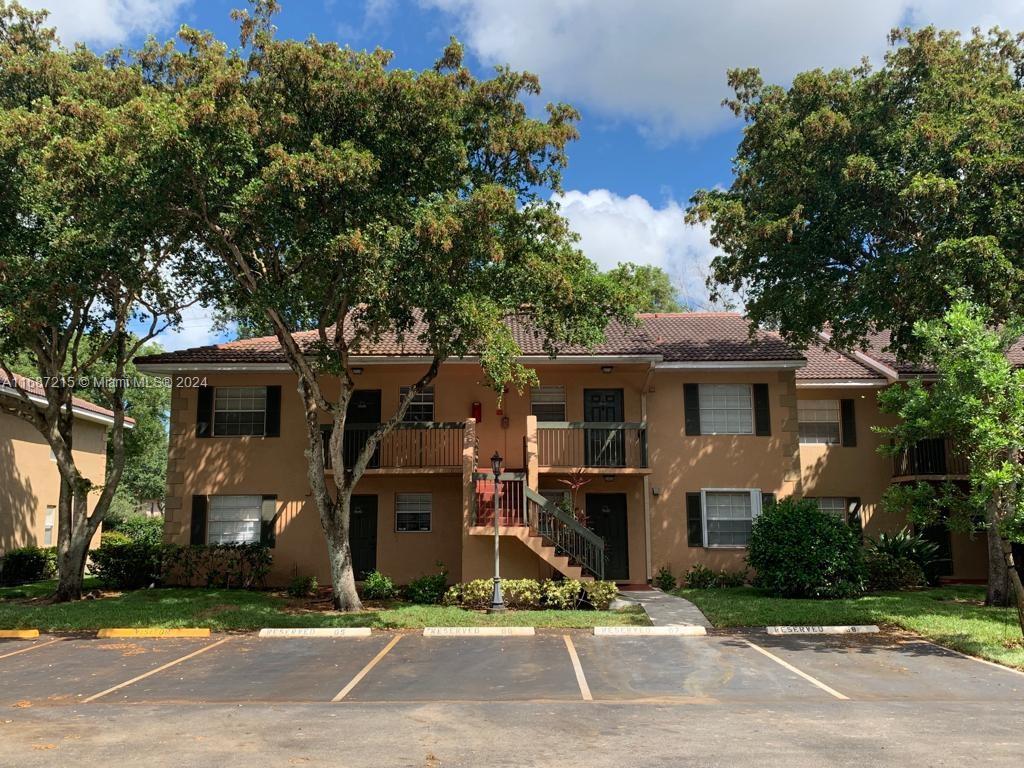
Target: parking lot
[[554, 667]]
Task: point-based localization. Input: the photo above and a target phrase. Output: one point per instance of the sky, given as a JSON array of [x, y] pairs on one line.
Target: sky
[[648, 78]]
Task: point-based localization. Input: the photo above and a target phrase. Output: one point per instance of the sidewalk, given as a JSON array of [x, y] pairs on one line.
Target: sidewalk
[[666, 610]]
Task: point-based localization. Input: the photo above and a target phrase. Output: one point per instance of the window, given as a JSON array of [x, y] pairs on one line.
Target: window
[[48, 521], [729, 515], [548, 403], [239, 410], [833, 505], [412, 512], [234, 520], [422, 406], [818, 421], [726, 409]]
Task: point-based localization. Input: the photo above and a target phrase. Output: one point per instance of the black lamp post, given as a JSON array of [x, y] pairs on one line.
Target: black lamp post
[[497, 603]]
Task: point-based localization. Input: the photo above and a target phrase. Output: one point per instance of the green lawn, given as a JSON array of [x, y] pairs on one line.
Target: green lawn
[[231, 609], [950, 616]]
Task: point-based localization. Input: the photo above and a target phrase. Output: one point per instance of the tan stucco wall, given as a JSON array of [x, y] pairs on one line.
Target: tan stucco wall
[[29, 480]]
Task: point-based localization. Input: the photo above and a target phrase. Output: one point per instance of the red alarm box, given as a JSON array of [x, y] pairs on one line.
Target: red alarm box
[[477, 412]]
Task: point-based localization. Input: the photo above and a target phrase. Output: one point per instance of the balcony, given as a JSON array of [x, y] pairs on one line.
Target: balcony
[[591, 445], [428, 446], [929, 458]]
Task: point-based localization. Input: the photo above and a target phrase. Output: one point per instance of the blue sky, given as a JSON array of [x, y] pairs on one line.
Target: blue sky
[[648, 78]]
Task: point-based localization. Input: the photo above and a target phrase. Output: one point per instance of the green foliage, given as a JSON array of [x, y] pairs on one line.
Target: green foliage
[[702, 577], [887, 571], [124, 563], [27, 564], [664, 580], [138, 528], [377, 586], [428, 589], [531, 594], [799, 551], [303, 586], [867, 198], [599, 594], [905, 545], [238, 566], [649, 287]]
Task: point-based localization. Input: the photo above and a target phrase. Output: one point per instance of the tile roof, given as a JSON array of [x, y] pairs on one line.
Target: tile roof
[[677, 337], [824, 363], [34, 387]]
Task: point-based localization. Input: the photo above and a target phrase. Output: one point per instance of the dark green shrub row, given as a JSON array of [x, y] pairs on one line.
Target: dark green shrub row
[[126, 564], [702, 577], [532, 594], [23, 564], [428, 589]]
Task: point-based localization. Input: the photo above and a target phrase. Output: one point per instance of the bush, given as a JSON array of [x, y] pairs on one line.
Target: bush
[[429, 589], [377, 586], [800, 551], [137, 528], [28, 564], [702, 577], [303, 586], [600, 594], [530, 594], [905, 545], [217, 565], [125, 564], [664, 580], [565, 595], [886, 573]]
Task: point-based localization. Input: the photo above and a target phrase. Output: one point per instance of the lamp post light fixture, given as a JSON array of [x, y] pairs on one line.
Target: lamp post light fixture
[[497, 603]]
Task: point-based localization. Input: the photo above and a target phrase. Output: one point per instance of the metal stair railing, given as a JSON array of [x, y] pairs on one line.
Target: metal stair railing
[[565, 533]]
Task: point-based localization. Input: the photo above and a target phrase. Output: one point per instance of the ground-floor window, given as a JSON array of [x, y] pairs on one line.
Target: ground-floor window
[[412, 512], [833, 505], [48, 524], [729, 515], [234, 520]]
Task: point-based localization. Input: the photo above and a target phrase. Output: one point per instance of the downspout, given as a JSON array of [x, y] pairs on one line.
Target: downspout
[[647, 478]]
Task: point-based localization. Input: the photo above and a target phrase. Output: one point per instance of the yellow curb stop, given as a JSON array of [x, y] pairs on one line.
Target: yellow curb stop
[[154, 632], [19, 634]]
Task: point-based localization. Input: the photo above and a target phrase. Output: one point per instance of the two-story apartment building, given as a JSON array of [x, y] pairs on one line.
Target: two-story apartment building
[[29, 479], [674, 433]]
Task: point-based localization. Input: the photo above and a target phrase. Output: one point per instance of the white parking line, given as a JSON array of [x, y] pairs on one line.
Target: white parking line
[[791, 668], [151, 672], [581, 679], [986, 662], [365, 670], [33, 647]]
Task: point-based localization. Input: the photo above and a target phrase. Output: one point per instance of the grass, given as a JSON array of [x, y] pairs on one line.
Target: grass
[[951, 616], [235, 609]]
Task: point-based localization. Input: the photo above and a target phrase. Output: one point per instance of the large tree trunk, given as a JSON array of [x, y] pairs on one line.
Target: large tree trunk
[[73, 549], [1018, 588], [998, 579], [343, 580]]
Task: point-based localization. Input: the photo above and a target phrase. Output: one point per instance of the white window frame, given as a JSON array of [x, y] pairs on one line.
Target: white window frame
[[704, 398], [838, 422], [219, 390], [552, 391], [424, 397], [843, 511], [49, 524], [429, 512], [257, 511], [755, 511]]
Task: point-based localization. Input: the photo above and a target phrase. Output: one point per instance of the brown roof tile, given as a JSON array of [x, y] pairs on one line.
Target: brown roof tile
[[824, 363]]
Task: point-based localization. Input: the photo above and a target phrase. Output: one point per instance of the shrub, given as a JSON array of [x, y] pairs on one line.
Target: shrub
[[565, 595], [217, 565], [377, 586], [885, 572], [125, 564], [664, 580], [699, 577], [137, 528], [800, 551], [731, 579], [600, 593], [28, 564], [303, 586], [428, 589], [905, 545]]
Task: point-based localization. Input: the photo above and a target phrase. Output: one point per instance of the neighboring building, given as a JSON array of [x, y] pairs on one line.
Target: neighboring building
[[683, 427], [29, 479]]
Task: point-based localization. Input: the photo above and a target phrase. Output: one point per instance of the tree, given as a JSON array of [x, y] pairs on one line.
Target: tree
[[650, 285], [339, 194], [870, 199], [978, 398], [85, 250]]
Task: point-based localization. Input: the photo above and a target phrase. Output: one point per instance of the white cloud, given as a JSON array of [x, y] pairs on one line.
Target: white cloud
[[614, 229], [108, 22], [662, 63], [196, 330]]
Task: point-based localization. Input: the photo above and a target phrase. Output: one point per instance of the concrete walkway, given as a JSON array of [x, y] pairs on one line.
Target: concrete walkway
[[667, 610]]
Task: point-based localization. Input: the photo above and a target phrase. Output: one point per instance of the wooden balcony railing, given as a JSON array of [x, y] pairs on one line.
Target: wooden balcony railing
[[592, 444], [934, 457], [410, 445]]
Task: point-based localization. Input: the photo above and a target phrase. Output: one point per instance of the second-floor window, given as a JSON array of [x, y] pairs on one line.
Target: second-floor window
[[422, 406], [818, 421], [726, 409], [239, 411], [548, 403]]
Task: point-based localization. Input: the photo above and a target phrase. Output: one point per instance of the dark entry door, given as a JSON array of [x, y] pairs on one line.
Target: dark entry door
[[603, 447], [606, 516], [361, 419], [363, 535]]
